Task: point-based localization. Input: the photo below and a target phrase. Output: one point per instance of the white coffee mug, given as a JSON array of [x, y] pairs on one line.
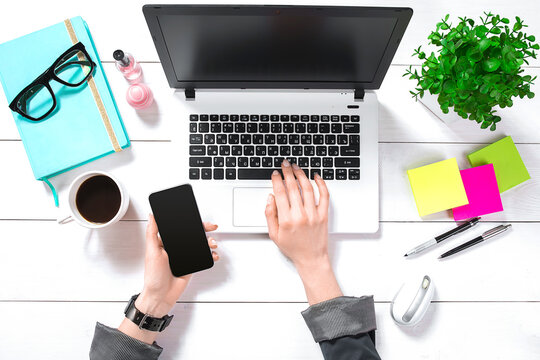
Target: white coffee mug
[[72, 213]]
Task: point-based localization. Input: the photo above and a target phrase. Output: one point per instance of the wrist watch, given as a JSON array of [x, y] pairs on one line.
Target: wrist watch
[[145, 321]]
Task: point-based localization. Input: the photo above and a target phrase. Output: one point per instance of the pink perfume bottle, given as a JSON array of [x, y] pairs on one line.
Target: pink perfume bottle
[[127, 65], [139, 96]]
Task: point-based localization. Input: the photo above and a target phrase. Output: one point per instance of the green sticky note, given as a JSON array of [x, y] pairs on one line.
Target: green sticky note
[[437, 187], [504, 156]]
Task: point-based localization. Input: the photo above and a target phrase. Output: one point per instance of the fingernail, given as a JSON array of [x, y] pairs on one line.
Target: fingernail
[[286, 163], [269, 200], [275, 172], [214, 242], [317, 175], [295, 167]]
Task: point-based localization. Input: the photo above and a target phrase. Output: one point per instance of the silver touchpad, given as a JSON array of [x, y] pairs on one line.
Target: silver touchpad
[[249, 205]]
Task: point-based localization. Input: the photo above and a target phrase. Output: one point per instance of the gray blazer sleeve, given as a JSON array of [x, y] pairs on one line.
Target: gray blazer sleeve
[[344, 327], [112, 344]]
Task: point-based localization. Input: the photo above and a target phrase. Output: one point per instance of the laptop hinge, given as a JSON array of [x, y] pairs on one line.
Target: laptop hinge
[[359, 94], [190, 93]]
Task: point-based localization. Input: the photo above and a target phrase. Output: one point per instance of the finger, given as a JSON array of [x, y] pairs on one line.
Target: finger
[[208, 226], [282, 200], [212, 243], [152, 238], [307, 188], [215, 256], [292, 186], [271, 213], [324, 196]]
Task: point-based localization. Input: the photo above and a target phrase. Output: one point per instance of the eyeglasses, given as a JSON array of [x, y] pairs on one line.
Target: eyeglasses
[[36, 101]]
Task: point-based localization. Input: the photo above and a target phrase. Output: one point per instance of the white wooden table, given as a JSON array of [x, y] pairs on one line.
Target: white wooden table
[[56, 281]]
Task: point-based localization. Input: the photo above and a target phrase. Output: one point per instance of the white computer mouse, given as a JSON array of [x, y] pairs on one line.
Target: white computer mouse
[[412, 301]]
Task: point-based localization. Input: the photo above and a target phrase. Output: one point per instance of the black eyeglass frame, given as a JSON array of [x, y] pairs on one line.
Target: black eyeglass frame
[[49, 75]]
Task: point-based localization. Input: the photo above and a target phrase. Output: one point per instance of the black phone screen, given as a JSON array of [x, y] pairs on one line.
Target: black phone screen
[[181, 230]]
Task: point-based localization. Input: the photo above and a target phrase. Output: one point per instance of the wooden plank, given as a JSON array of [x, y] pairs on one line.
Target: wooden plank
[[124, 26], [50, 262], [148, 166], [276, 331], [401, 118]]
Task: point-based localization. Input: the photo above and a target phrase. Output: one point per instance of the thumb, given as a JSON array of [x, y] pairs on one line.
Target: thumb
[[152, 238], [271, 217]]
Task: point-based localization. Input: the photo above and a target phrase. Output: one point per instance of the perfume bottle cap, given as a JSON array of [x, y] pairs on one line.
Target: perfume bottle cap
[[119, 56]]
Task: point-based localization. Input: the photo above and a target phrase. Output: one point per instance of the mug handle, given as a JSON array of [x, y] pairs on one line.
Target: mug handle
[[64, 219]]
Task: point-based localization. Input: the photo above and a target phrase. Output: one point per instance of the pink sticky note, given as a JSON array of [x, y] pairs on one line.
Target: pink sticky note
[[482, 191]]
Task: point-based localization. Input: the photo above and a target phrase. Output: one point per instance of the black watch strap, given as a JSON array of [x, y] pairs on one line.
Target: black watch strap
[[144, 321]]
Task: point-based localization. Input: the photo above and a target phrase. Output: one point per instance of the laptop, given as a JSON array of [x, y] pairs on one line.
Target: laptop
[[257, 84]]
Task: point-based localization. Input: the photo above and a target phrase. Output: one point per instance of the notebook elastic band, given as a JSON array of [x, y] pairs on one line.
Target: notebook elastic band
[[95, 94]]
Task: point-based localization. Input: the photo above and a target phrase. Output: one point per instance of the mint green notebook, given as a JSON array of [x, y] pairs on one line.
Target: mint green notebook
[[77, 132]]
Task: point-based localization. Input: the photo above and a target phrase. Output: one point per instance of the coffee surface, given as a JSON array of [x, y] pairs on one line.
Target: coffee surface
[[98, 199]]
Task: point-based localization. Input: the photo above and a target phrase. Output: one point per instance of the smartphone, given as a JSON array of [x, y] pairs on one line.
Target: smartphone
[[181, 230]]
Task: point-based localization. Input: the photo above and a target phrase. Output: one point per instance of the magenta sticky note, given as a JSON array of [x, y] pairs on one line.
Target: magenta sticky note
[[482, 191]]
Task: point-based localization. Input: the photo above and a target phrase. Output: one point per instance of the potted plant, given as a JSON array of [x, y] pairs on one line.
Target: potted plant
[[477, 67]]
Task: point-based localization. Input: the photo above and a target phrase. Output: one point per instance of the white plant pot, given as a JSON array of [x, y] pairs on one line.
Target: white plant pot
[[432, 105]]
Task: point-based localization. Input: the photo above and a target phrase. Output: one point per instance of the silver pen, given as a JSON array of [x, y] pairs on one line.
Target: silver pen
[[486, 235], [466, 225]]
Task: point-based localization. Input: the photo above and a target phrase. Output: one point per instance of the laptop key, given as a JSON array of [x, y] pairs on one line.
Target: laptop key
[[245, 139], [284, 117], [341, 174], [328, 162], [204, 127], [200, 161], [243, 161], [347, 162], [297, 150], [234, 117], [282, 139], [333, 151], [354, 174], [215, 127], [228, 128], [221, 138], [288, 128], [354, 139], [195, 139], [258, 139], [249, 150], [266, 162], [224, 150], [315, 162], [312, 128], [203, 118], [230, 174], [330, 139], [254, 118], [219, 174], [313, 172], [334, 118], [212, 150], [274, 117], [252, 128], [255, 162], [309, 150], [342, 139], [315, 118], [284, 150], [230, 162], [275, 128], [324, 128], [325, 118], [264, 128], [352, 150], [318, 139], [193, 117], [234, 139], [265, 118], [305, 139], [320, 150], [328, 174], [256, 174], [300, 128], [291, 159], [345, 118], [194, 174], [295, 118], [192, 127], [197, 150], [294, 139], [351, 128], [269, 139], [239, 128], [273, 150], [209, 139], [355, 118], [214, 117], [260, 150], [304, 118], [303, 162], [219, 161], [278, 160], [236, 150], [337, 128], [224, 118], [244, 117], [206, 174]]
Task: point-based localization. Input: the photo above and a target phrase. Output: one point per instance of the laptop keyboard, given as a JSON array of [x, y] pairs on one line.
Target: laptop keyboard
[[251, 147]]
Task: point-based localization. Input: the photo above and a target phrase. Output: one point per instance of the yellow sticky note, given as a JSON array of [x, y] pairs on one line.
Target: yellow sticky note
[[437, 187]]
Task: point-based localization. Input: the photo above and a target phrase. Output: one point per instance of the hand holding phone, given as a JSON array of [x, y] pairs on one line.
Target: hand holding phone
[[181, 229]]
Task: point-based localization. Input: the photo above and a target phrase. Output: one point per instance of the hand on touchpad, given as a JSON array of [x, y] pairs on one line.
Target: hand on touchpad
[[249, 205]]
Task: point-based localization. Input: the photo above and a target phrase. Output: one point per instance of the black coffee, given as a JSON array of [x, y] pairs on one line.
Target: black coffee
[[98, 199]]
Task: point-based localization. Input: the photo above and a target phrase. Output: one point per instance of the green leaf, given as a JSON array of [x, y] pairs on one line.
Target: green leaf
[[491, 65], [531, 38], [505, 21], [517, 26], [485, 124], [484, 44], [481, 31], [496, 30], [493, 127], [536, 47]]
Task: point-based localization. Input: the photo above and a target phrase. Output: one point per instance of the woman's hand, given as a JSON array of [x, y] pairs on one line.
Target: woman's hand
[[161, 288], [299, 227]]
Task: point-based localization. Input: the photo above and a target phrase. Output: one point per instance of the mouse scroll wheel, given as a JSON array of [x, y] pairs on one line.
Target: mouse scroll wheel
[[426, 282]]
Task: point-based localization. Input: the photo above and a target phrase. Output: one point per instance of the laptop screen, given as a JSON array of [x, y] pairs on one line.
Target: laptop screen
[[277, 45]]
